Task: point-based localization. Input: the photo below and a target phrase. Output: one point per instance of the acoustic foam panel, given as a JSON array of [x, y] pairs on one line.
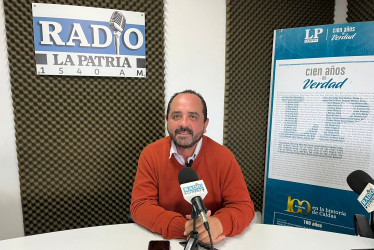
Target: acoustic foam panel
[[79, 138], [250, 26], [360, 11]]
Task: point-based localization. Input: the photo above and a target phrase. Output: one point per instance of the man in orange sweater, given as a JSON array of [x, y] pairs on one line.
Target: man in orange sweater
[[157, 200]]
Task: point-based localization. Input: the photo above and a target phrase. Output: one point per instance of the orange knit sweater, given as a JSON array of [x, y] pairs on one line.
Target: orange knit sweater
[[157, 201]]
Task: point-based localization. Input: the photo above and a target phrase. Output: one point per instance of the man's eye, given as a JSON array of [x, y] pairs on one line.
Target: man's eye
[[176, 116], [193, 117]]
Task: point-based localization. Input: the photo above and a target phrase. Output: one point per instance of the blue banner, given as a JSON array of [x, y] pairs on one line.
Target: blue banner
[[320, 125]]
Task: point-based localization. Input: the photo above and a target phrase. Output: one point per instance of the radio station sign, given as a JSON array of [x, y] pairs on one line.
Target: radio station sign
[[86, 41]]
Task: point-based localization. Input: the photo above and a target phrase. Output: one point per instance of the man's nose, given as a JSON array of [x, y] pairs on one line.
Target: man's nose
[[184, 121]]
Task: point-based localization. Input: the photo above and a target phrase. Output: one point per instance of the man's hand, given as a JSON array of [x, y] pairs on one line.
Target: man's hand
[[215, 228]]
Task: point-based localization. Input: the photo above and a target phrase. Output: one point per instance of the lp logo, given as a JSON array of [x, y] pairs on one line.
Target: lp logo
[[317, 32], [299, 205]]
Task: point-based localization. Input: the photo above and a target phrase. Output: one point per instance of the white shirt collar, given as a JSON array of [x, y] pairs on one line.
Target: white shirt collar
[[173, 151]]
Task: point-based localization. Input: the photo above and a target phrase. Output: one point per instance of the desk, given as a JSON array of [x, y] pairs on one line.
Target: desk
[[133, 237]]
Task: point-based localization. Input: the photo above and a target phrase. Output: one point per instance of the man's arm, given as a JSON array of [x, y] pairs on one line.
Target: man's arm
[[238, 210], [144, 208]]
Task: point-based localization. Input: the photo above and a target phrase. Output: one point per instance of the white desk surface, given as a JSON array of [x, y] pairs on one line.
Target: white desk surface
[[132, 236]]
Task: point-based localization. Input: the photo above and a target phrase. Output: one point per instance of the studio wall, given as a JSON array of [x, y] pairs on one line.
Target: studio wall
[[360, 11], [250, 26], [78, 138], [184, 53], [194, 32], [10, 201]]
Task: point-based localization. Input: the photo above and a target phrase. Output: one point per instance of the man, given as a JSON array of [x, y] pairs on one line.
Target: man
[[157, 200]]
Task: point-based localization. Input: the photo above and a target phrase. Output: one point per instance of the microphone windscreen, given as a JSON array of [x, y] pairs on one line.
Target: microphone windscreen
[[357, 180], [187, 175]]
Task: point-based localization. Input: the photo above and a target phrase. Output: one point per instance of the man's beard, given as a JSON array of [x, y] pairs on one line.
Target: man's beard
[[185, 142]]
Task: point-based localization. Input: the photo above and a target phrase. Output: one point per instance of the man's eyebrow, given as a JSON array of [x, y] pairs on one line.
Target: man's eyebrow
[[194, 113], [190, 113]]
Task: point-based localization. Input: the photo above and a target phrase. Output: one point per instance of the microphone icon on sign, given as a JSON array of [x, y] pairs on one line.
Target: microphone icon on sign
[[117, 23]]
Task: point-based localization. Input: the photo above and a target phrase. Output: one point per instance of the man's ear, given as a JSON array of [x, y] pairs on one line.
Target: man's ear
[[206, 124], [166, 117]]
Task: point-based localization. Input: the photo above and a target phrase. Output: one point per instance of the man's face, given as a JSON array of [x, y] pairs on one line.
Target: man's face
[[185, 121]]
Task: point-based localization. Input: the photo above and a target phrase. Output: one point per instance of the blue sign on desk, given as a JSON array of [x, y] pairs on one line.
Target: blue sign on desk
[[321, 125]]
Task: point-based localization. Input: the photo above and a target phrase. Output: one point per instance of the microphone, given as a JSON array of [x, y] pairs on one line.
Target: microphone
[[194, 191], [189, 164], [117, 23], [361, 183]]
